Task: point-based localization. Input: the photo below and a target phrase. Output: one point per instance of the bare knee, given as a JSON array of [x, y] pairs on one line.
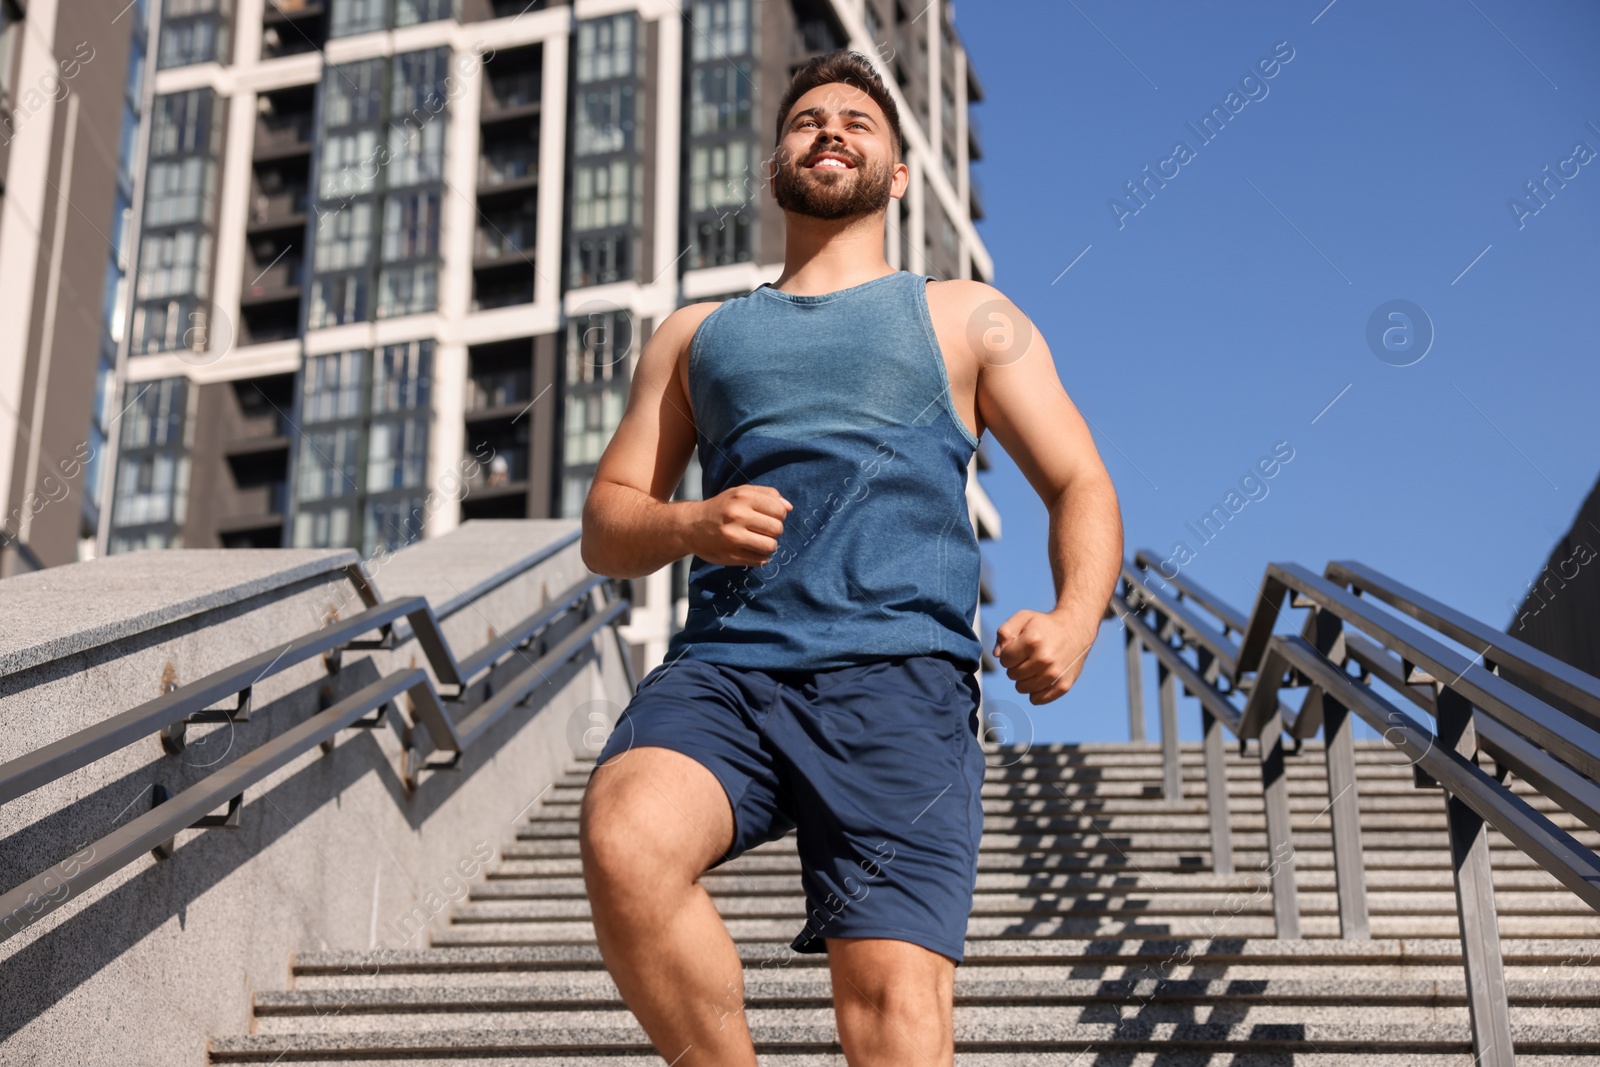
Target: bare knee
[[892, 998], [639, 835]]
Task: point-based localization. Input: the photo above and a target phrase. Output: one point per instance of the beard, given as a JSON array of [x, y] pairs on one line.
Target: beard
[[833, 193]]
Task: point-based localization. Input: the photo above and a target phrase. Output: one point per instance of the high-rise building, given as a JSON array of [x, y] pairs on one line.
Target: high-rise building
[[396, 259], [72, 97]]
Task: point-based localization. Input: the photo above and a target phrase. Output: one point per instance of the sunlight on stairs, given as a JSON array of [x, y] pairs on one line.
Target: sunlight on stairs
[[1098, 935]]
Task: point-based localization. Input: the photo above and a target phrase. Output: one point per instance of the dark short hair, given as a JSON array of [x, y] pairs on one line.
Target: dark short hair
[[850, 68]]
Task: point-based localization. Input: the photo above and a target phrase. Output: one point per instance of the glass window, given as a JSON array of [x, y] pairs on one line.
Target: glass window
[[720, 175], [170, 263], [721, 98], [153, 417], [350, 164], [114, 300], [338, 300], [392, 524], [419, 83], [605, 120], [121, 220], [592, 417], [125, 146], [597, 344], [327, 467], [344, 238], [325, 527], [332, 387], [721, 29], [177, 191], [353, 93], [188, 41], [606, 48], [397, 454], [133, 87], [416, 153], [151, 489], [180, 123], [410, 226], [357, 16], [407, 290], [410, 12], [400, 377], [602, 195]]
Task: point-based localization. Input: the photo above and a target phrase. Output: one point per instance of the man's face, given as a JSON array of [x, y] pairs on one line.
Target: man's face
[[836, 158]]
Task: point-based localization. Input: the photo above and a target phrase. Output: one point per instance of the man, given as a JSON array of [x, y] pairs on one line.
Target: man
[[824, 680]]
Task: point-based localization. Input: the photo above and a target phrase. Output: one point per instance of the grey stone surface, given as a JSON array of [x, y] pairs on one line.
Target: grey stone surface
[[53, 613], [333, 851], [450, 571]]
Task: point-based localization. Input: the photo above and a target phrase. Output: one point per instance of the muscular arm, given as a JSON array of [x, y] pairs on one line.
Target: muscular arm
[[1020, 398], [631, 525]]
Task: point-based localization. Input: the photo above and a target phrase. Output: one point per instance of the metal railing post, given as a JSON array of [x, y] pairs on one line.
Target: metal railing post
[[1171, 770], [1325, 630], [1344, 809], [1131, 649], [1217, 794], [1475, 909], [1280, 847]]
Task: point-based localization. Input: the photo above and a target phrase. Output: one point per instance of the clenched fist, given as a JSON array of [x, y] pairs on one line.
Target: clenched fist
[[739, 527], [1042, 652]]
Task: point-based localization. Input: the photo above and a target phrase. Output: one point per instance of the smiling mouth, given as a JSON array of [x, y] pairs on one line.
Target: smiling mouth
[[830, 163]]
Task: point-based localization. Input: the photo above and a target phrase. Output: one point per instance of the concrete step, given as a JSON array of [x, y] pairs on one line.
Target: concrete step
[[1127, 843], [780, 987], [1564, 957], [1124, 1055], [1397, 972], [1049, 904], [1373, 824], [516, 1011], [520, 879], [1049, 1033], [1059, 925], [1051, 801], [561, 857]]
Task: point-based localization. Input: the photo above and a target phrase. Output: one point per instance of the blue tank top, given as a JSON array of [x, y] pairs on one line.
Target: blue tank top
[[842, 403]]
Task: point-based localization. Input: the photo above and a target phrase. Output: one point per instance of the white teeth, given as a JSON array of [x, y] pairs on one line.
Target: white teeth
[[830, 163]]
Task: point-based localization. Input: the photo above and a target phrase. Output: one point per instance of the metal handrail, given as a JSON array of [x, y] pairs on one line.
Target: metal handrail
[[167, 715], [1559, 679], [1192, 589], [1474, 707]]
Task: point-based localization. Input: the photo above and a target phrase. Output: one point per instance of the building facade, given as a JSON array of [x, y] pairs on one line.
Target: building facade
[[73, 95], [394, 260]]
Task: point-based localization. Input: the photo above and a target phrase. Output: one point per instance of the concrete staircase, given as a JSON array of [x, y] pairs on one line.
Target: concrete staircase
[[1098, 936]]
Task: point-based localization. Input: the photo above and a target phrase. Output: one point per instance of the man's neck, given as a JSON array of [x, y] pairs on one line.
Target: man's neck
[[826, 255]]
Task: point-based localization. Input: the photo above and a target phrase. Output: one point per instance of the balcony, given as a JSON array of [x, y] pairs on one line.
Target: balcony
[[293, 27], [508, 164], [974, 139], [279, 134], [276, 279], [490, 394], [975, 197], [513, 86], [504, 237]]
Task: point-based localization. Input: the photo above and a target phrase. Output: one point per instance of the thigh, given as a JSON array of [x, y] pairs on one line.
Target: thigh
[[888, 777], [686, 759]]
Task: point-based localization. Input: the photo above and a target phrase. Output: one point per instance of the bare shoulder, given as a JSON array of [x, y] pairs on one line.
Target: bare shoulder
[[981, 320], [677, 329], [669, 343], [958, 295]]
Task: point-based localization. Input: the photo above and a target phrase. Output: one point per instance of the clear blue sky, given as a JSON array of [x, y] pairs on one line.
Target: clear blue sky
[[1231, 310]]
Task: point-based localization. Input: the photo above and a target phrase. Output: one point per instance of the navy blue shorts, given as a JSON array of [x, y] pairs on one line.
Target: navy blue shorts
[[877, 767]]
